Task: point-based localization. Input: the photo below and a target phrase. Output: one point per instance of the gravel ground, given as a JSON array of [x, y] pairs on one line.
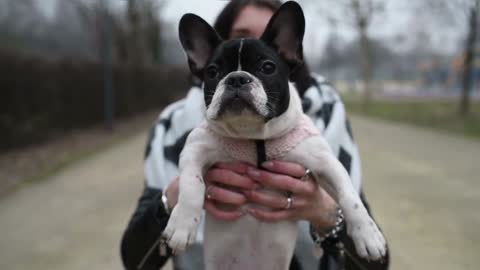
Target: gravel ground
[[423, 186]]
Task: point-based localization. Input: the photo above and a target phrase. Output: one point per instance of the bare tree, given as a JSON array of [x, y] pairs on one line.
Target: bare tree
[[359, 15], [136, 29], [135, 41], [363, 14], [20, 22], [153, 29], [144, 30], [92, 16], [19, 15], [464, 14], [469, 59]]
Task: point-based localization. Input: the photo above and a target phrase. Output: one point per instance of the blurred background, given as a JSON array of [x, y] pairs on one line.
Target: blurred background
[[81, 81]]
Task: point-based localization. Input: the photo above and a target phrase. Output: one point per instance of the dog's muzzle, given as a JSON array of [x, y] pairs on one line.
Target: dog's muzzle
[[238, 80], [237, 95]]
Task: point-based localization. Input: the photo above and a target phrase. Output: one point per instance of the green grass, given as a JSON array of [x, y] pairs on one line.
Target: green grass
[[440, 115]]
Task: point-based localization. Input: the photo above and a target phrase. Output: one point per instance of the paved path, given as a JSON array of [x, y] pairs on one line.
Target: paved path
[[74, 219], [423, 186]]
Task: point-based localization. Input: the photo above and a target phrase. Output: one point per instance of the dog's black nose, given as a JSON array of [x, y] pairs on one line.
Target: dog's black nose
[[238, 80]]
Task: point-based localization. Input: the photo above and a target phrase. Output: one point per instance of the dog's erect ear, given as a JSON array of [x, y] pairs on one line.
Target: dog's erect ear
[[285, 32], [199, 40]]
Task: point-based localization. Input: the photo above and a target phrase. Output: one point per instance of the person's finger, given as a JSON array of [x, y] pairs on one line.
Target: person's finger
[[225, 196], [238, 167], [217, 213], [272, 200], [271, 216], [282, 182], [228, 177], [285, 167]]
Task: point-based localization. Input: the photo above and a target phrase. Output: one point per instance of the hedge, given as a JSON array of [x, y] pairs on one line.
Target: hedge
[[40, 98]]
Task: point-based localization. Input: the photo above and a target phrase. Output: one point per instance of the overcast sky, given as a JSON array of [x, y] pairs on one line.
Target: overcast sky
[[395, 24], [396, 21]]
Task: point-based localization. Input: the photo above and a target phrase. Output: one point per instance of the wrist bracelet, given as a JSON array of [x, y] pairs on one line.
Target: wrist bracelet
[[165, 203], [318, 238]]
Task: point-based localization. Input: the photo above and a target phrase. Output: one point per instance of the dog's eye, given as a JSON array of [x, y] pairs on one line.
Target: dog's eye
[[268, 67], [212, 72]]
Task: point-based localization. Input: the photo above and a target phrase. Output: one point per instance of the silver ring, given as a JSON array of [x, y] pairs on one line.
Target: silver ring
[[289, 202], [306, 175], [207, 193]]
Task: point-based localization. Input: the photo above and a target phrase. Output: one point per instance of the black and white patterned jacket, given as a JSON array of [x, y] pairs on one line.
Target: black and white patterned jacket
[[166, 140]]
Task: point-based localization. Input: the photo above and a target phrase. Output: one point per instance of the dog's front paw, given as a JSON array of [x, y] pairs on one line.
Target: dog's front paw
[[181, 228], [368, 239]]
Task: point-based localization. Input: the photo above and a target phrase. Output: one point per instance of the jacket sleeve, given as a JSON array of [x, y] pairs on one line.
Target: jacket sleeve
[[323, 104], [340, 253], [326, 109], [140, 246]]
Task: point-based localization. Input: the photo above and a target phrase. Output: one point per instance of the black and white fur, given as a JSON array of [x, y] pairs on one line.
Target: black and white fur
[[248, 96]]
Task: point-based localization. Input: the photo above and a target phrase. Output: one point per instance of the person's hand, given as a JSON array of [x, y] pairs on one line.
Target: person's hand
[[225, 183], [225, 187], [310, 202]]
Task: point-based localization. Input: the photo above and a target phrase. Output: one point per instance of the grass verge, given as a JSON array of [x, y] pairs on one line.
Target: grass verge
[[441, 115]]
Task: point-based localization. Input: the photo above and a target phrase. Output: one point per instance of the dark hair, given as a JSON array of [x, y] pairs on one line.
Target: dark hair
[[223, 24]]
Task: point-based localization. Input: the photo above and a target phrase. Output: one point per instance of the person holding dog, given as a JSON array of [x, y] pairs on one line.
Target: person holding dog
[[229, 186]]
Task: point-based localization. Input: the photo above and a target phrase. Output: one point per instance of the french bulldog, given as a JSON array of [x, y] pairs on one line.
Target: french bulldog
[[249, 99]]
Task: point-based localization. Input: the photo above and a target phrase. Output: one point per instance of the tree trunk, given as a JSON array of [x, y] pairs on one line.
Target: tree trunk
[[366, 65], [469, 59], [362, 20], [135, 40]]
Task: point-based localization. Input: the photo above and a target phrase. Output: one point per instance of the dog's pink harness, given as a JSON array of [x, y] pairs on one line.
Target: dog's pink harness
[[277, 148]]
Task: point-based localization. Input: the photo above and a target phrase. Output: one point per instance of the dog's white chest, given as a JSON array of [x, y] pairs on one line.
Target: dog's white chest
[[249, 244], [277, 148]]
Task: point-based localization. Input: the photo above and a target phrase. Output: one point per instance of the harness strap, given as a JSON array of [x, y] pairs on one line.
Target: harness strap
[[261, 153]]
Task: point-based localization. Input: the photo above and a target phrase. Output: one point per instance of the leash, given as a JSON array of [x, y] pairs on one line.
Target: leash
[[337, 255], [159, 241], [354, 260]]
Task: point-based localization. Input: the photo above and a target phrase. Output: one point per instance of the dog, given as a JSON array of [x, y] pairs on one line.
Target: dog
[[248, 99]]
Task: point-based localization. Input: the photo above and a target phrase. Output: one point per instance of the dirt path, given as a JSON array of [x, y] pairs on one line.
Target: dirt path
[[423, 186]]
